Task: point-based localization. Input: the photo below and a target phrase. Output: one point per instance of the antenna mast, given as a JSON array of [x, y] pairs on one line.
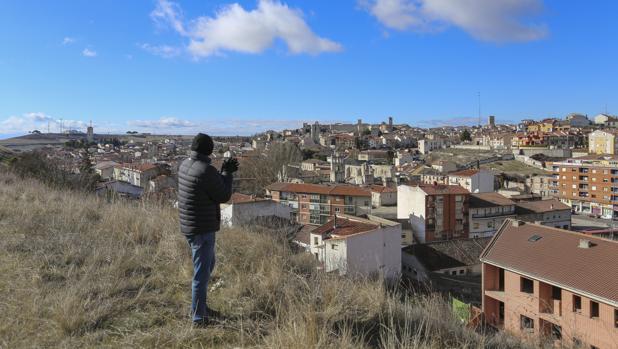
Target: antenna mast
[[479, 95]]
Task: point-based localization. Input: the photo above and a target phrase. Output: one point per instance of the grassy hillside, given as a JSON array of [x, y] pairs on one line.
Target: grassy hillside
[[76, 271], [5, 154]]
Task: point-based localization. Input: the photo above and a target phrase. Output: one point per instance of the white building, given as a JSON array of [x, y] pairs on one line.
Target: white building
[[243, 209], [136, 174], [475, 181], [105, 169], [358, 246], [383, 196], [425, 146], [603, 142], [487, 213], [552, 213]]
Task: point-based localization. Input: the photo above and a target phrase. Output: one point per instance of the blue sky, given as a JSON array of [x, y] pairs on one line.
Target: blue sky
[[237, 68]]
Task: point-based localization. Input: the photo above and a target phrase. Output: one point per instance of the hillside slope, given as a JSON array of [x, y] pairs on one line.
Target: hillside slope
[[76, 271], [5, 153]]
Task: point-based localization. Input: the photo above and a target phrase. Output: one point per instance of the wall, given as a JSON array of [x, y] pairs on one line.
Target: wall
[[376, 251], [242, 213], [411, 206]]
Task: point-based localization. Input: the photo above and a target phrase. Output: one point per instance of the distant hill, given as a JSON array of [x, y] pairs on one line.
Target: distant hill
[[81, 272]]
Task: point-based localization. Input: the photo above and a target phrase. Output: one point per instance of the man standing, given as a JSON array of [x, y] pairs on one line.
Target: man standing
[[201, 188]]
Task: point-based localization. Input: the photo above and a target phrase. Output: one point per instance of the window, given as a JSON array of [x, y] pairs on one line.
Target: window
[[315, 240], [556, 293], [577, 304], [526, 285], [337, 209], [594, 309], [556, 331], [527, 324], [616, 318], [476, 225], [333, 246]]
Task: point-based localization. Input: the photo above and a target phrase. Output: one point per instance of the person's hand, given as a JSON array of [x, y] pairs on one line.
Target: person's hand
[[230, 165]]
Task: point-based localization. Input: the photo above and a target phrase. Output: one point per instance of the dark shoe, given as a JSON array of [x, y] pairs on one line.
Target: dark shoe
[[214, 314], [202, 323]]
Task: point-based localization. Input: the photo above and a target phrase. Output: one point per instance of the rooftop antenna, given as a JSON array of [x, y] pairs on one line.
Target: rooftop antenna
[[479, 95]]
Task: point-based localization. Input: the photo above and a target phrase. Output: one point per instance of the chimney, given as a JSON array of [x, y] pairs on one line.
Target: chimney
[[517, 223], [584, 243]]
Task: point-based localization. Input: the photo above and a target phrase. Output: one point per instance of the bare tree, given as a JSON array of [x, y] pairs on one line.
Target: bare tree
[[256, 173]]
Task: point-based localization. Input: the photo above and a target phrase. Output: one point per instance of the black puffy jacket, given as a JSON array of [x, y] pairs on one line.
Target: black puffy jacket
[[201, 188]]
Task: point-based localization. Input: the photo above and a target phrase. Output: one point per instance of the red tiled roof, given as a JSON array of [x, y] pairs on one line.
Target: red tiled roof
[[540, 206], [465, 173], [489, 199], [345, 227], [137, 167], [432, 189], [556, 258], [238, 198], [347, 190], [383, 189]]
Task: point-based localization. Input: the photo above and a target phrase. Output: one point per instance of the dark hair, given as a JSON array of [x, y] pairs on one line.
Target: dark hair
[[203, 144]]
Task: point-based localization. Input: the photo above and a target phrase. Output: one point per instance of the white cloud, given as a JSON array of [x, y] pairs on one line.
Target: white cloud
[[487, 20], [235, 29], [68, 40], [162, 50], [162, 123], [89, 53], [38, 121]]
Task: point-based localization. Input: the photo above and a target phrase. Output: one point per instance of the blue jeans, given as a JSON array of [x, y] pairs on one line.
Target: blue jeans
[[203, 255]]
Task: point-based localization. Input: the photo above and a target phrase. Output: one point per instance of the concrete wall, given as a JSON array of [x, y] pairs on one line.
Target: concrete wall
[[242, 213], [375, 252]]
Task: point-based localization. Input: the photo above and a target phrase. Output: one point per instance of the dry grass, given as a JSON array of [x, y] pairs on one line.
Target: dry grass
[[76, 271]]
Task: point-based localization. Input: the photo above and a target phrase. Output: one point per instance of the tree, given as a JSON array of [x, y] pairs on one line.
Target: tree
[[255, 174], [465, 136]]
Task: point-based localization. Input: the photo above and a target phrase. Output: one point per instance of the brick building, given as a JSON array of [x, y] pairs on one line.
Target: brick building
[[435, 212], [316, 203], [553, 283], [588, 184]]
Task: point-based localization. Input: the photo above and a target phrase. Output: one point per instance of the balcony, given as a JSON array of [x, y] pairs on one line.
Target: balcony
[[495, 294], [551, 307]]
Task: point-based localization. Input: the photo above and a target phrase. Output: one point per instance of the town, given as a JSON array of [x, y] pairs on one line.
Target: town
[[514, 221]]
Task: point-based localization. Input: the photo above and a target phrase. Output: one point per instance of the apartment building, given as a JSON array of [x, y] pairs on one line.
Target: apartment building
[[603, 142], [588, 184], [358, 246], [136, 174], [474, 180], [435, 211], [382, 195], [487, 213], [316, 203], [425, 146], [552, 213], [540, 281]]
